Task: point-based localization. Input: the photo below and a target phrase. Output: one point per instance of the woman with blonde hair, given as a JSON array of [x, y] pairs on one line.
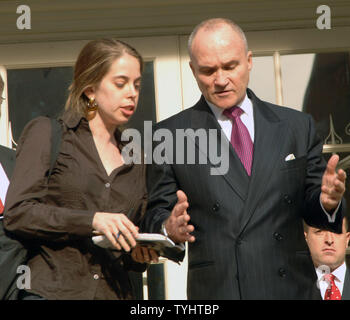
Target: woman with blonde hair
[[90, 190]]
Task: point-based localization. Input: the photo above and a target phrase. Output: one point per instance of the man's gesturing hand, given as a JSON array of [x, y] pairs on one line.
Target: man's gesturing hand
[[333, 184], [177, 225]]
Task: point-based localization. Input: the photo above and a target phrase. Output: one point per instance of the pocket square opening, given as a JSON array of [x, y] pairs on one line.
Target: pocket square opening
[[290, 157]]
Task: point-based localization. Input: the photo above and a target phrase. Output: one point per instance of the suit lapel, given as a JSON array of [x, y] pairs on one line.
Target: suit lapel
[[236, 176], [7, 160], [346, 289], [269, 135]]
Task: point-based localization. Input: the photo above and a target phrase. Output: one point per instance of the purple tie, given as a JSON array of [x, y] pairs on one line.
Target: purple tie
[[240, 138]]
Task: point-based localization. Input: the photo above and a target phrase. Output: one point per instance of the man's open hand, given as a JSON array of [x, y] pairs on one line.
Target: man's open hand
[[177, 225], [333, 185]]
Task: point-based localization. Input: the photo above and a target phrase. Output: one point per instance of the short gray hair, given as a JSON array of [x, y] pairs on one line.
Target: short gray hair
[[212, 24]]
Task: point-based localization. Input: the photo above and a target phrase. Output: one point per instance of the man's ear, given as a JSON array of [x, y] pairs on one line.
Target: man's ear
[[191, 66], [250, 60], [347, 238], [305, 235]]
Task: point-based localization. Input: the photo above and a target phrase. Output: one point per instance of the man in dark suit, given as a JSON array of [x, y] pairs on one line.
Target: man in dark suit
[[244, 224], [328, 250], [7, 159], [7, 162], [12, 253]]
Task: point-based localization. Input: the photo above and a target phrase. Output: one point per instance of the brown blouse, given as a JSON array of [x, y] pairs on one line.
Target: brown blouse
[[55, 220]]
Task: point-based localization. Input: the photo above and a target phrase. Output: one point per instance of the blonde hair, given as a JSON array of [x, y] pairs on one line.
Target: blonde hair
[[93, 63]]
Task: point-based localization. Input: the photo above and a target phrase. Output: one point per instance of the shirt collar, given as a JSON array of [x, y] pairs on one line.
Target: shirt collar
[[72, 120], [246, 105], [339, 273]]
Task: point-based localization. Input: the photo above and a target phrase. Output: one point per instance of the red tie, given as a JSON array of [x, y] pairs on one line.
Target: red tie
[[1, 207], [240, 138], [332, 293]]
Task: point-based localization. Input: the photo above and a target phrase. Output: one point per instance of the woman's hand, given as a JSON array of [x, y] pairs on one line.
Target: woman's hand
[[118, 229], [144, 255]]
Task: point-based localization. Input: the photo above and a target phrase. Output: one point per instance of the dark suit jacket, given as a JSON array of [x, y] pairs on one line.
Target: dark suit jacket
[[249, 234], [7, 160], [346, 288]]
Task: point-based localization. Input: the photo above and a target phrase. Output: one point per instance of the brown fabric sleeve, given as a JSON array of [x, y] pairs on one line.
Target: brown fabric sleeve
[[26, 213]]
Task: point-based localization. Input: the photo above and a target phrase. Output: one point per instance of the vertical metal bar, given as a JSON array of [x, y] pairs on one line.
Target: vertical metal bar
[[278, 78], [155, 281]]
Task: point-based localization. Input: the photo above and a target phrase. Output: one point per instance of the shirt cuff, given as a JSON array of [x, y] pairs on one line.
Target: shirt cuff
[[331, 217], [165, 233], [163, 230]]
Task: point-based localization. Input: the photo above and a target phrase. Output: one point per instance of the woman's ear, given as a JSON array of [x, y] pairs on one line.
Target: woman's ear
[[89, 93]]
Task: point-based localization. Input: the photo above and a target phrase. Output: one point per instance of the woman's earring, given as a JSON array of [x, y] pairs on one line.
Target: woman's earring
[[92, 105]]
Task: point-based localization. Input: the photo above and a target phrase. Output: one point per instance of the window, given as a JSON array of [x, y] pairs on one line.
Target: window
[[320, 84], [43, 91]]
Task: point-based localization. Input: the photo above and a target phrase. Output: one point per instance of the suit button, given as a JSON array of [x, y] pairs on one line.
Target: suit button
[[278, 236], [239, 241], [282, 272], [287, 199], [216, 207]]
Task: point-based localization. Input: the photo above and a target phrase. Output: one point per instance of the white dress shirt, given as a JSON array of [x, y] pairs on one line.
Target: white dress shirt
[[339, 274], [247, 117]]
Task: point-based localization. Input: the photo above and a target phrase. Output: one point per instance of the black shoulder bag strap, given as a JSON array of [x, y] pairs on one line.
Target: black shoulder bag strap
[[56, 135]]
